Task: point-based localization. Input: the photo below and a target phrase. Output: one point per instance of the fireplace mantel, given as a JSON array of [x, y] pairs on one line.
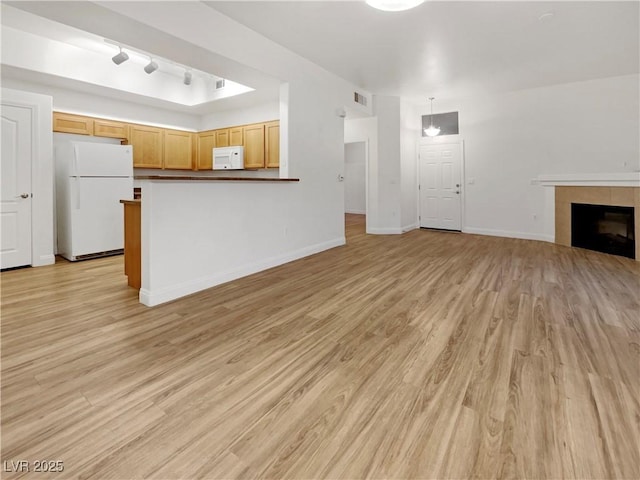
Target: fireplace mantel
[[622, 179]]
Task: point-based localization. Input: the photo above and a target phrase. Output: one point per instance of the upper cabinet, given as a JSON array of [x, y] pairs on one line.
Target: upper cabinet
[[222, 137], [155, 147], [236, 137], [69, 123], [147, 146], [272, 144], [111, 129], [205, 142], [177, 150], [254, 146]]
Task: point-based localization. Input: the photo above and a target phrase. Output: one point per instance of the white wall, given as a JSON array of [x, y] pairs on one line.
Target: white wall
[[511, 138], [387, 111], [355, 156], [70, 101], [263, 112], [41, 173], [410, 127]]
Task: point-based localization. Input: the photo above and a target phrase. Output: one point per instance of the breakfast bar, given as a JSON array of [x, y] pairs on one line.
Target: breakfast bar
[[188, 233]]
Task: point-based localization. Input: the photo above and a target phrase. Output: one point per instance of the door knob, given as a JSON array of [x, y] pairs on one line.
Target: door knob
[[23, 195], [458, 192]]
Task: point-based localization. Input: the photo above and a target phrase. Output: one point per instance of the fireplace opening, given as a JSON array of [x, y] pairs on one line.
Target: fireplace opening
[[603, 228]]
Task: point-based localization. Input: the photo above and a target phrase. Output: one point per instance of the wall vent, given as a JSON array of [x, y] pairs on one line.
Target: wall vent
[[219, 84], [359, 98]]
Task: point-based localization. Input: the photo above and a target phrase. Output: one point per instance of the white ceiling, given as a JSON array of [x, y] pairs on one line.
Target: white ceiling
[[448, 49], [441, 49]]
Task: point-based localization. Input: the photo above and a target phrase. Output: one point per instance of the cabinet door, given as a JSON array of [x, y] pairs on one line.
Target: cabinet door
[[235, 136], [69, 123], [177, 150], [272, 144], [206, 141], [222, 137], [254, 146], [147, 146], [111, 129]]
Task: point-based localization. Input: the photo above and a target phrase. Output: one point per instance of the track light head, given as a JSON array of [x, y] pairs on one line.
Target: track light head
[[187, 77], [120, 57], [151, 67]]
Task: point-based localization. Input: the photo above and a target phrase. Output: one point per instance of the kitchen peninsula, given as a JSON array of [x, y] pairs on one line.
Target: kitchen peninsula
[[196, 232]]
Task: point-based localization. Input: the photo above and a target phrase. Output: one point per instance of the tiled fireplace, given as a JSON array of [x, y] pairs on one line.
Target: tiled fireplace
[[611, 227]]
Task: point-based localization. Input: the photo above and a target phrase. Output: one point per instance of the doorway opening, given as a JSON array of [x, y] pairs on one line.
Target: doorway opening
[[355, 187]]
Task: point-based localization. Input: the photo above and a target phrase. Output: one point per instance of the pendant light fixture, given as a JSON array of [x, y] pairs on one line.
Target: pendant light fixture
[[431, 131], [394, 5]]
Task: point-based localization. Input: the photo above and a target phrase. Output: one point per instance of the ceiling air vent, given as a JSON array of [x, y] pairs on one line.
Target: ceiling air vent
[[359, 98], [219, 84]]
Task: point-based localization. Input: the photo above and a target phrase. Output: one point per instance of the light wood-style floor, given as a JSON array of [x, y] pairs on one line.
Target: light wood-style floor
[[426, 355]]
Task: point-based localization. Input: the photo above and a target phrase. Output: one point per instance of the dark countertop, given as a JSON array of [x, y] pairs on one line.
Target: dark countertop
[[214, 179], [131, 202]]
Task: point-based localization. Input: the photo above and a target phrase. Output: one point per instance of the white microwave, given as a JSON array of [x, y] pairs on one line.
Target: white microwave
[[228, 158]]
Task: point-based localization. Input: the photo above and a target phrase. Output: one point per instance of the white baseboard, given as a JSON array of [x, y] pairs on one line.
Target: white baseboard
[[356, 212], [407, 228], [43, 260], [166, 294], [509, 234], [385, 231]]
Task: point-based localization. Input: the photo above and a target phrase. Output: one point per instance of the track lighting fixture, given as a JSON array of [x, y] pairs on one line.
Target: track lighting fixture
[[187, 77], [120, 57], [151, 67]]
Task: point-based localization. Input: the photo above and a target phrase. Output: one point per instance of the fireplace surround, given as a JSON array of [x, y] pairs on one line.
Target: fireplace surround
[[565, 196]]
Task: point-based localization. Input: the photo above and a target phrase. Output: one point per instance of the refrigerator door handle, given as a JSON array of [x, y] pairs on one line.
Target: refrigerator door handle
[[78, 183], [75, 161]]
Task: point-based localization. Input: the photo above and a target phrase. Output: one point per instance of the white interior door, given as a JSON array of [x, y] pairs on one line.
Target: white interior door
[[440, 186], [15, 183]]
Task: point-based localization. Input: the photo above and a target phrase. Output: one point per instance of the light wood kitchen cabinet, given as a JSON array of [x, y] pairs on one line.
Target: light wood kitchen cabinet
[[70, 123], [177, 150], [236, 136], [222, 137], [205, 142], [111, 129], [254, 146], [272, 144], [147, 146]]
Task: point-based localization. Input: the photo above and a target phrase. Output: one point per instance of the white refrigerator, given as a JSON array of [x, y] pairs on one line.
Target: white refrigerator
[[91, 179]]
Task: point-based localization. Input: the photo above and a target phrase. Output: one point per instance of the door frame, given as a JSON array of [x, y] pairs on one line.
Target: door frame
[[42, 213], [451, 140], [366, 179]]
